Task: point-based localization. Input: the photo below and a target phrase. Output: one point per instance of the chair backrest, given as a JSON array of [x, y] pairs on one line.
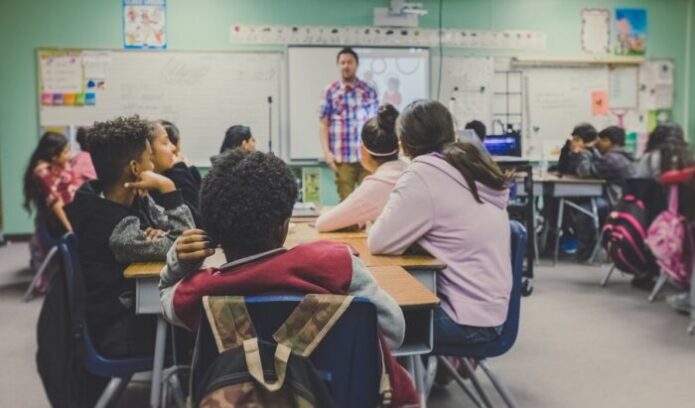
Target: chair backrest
[[347, 358], [94, 362], [511, 325]]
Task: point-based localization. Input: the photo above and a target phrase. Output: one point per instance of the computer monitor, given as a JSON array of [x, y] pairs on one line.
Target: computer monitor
[[503, 145]]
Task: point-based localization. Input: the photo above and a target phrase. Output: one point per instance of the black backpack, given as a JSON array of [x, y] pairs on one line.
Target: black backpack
[[623, 238]]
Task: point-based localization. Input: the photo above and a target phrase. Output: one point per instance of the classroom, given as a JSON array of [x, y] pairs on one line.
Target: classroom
[[434, 203]]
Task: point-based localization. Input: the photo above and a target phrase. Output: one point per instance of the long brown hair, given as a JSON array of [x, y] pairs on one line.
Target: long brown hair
[[426, 126]]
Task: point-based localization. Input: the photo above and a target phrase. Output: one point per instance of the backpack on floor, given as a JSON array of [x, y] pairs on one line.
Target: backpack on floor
[[623, 238], [667, 238], [251, 372]]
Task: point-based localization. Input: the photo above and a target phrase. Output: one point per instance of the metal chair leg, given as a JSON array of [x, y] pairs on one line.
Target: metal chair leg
[[657, 288], [501, 389], [558, 231], [112, 391], [476, 383], [459, 380], [29, 294], [604, 282]]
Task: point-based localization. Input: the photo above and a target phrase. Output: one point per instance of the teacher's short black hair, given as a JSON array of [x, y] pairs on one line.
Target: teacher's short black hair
[[347, 50], [245, 197]]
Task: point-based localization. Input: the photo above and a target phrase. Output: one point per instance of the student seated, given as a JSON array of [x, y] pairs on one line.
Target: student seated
[[49, 185], [82, 167], [237, 136], [612, 163], [474, 133], [170, 162], [246, 204], [583, 139], [451, 202], [666, 150], [380, 158], [116, 223]]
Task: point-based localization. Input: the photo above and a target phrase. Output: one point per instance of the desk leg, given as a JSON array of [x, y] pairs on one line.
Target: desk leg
[[558, 231], [418, 372], [597, 245], [158, 366]]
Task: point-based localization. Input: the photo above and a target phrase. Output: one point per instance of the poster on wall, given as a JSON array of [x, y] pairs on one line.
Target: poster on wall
[[596, 31], [630, 31], [144, 24]]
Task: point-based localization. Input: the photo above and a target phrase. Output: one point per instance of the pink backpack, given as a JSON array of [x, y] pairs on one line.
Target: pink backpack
[[667, 238]]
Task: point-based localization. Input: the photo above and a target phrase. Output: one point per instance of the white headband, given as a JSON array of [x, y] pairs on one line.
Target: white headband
[[379, 154]]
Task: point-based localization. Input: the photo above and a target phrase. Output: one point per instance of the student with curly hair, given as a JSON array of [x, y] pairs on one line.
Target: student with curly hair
[[380, 158], [117, 223], [246, 204]]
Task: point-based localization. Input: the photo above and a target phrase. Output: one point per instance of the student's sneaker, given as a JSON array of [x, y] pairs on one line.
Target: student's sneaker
[[568, 245], [680, 302]]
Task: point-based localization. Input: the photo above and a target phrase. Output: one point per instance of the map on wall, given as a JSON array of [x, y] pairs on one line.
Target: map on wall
[[144, 24]]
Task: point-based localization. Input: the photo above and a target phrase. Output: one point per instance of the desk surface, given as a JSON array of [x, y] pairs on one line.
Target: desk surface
[[395, 280], [565, 179]]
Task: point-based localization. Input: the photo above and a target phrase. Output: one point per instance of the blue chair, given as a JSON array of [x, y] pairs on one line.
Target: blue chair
[[46, 241], [509, 332], [347, 358], [119, 370]]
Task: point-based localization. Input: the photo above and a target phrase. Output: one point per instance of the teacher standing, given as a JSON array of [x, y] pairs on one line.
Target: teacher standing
[[345, 107]]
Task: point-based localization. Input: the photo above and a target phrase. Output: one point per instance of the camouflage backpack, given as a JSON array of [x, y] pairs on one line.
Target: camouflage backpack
[[241, 374]]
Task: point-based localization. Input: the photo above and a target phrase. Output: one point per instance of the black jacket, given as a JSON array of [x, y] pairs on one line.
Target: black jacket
[[112, 236]]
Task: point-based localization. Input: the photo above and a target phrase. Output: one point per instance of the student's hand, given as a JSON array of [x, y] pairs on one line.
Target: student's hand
[[150, 180], [576, 146], [330, 161], [193, 246], [154, 234]]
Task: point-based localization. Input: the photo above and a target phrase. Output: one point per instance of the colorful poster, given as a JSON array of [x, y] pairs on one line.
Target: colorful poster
[[630, 31], [599, 103], [144, 24]]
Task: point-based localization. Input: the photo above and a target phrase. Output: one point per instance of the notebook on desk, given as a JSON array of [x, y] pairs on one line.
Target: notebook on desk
[[302, 210]]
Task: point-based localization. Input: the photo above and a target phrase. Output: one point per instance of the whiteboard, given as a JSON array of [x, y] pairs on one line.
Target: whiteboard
[[557, 99], [203, 93], [467, 88], [312, 69]]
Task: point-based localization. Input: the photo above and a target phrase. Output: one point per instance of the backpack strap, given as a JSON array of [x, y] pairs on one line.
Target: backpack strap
[[673, 199], [229, 320], [310, 321], [385, 390]]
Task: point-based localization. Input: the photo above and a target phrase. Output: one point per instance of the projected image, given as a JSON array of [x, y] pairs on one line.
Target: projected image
[[398, 76]]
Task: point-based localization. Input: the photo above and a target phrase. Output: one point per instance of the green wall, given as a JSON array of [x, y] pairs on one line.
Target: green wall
[[204, 25]]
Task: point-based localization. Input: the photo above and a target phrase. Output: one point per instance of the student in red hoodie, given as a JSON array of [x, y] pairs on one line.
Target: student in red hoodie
[[246, 204]]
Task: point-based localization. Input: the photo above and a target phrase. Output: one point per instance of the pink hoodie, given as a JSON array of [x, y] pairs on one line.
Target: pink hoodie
[[433, 206], [366, 202]]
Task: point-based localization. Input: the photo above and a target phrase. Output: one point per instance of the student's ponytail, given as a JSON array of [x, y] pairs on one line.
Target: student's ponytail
[[426, 126], [474, 166]]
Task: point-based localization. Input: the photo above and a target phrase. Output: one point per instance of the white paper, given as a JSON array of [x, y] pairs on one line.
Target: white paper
[[96, 64], [623, 88], [61, 74], [596, 31]]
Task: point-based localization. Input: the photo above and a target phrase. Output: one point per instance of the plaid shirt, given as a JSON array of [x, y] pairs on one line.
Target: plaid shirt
[[347, 107]]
